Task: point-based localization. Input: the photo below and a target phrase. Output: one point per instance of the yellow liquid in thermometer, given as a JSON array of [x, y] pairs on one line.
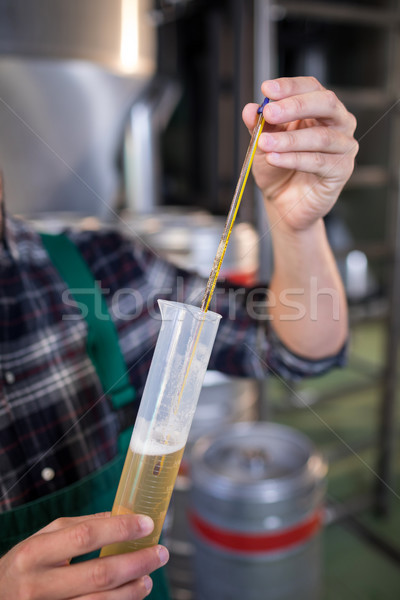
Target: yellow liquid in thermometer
[[145, 488]]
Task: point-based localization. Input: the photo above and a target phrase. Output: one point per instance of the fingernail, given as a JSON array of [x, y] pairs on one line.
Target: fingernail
[[163, 555], [272, 85], [274, 109], [148, 583], [146, 524], [266, 141], [275, 85], [274, 157]]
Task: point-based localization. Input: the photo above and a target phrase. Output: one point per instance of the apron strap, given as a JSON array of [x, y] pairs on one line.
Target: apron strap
[[97, 491], [102, 341]]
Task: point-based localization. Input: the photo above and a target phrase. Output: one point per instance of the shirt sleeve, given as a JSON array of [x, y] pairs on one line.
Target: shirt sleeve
[[246, 344]]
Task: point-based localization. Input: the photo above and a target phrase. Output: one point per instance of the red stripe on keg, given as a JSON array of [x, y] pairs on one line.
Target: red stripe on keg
[[184, 468], [252, 543]]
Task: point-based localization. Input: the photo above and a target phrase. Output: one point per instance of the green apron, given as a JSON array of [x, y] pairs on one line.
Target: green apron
[[95, 492]]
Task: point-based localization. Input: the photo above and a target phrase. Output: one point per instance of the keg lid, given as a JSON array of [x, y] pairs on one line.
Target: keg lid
[[256, 461]]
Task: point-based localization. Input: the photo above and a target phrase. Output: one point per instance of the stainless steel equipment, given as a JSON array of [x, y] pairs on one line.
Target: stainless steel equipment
[[70, 72], [223, 400], [257, 499], [118, 35]]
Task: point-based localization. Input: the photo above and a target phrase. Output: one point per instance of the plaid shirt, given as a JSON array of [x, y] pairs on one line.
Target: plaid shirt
[[56, 423]]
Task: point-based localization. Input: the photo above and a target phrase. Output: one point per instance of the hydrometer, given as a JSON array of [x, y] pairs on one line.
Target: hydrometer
[[237, 197], [171, 392]]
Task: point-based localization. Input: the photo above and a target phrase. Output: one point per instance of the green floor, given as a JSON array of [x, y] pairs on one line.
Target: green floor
[[355, 570], [340, 413]]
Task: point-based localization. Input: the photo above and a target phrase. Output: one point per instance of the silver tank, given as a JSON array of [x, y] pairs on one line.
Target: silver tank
[[223, 400], [72, 76], [257, 506]]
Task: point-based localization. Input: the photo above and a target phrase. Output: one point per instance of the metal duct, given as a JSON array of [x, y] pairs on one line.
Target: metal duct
[[118, 34], [70, 71]]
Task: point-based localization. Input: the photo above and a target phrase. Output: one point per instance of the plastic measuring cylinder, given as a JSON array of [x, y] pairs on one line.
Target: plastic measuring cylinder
[[166, 411]]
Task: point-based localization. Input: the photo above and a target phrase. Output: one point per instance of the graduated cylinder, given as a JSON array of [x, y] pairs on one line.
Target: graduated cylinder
[[166, 411]]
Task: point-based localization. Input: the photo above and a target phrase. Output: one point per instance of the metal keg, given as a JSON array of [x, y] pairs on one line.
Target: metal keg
[[223, 400], [256, 514]]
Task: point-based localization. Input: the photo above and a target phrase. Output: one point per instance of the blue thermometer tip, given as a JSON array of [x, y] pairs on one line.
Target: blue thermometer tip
[[261, 107]]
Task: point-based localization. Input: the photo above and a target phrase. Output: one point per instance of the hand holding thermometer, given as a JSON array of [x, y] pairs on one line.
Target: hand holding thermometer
[[172, 389]]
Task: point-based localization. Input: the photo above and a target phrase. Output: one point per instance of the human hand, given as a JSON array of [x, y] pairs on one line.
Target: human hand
[[306, 152], [38, 568]]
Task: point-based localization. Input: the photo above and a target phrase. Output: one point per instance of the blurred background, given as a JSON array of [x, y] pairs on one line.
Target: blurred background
[[127, 114]]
